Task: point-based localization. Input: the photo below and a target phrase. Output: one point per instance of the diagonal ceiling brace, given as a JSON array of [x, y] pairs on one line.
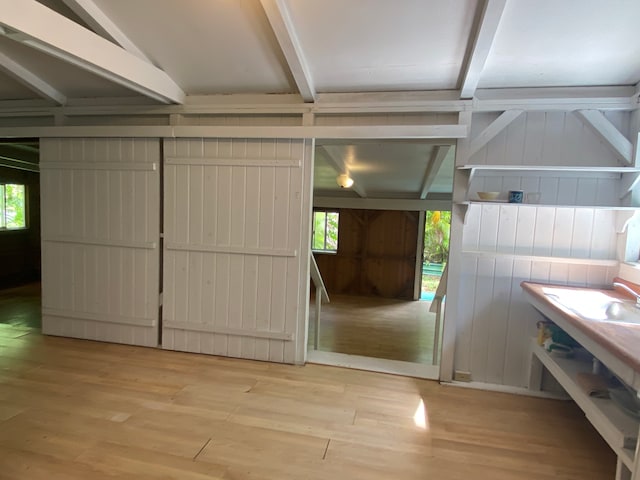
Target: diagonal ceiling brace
[[42, 28], [17, 164], [607, 131], [30, 80], [492, 130], [435, 162], [280, 19]]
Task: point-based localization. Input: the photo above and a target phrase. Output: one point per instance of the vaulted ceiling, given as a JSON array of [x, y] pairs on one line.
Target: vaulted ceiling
[[59, 51]]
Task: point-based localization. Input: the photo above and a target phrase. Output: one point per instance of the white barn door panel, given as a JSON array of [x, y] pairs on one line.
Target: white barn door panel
[[236, 247], [100, 239]]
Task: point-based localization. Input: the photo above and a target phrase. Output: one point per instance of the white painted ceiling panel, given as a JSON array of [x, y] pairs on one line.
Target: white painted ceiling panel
[[11, 89], [59, 7], [207, 47], [565, 43], [382, 45]]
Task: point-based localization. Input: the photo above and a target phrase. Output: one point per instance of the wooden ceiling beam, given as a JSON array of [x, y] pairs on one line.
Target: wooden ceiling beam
[[406, 204], [555, 99], [240, 131], [483, 41], [280, 19], [43, 29]]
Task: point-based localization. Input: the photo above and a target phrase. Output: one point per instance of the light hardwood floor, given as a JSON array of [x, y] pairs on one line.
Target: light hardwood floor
[[375, 327], [75, 409]]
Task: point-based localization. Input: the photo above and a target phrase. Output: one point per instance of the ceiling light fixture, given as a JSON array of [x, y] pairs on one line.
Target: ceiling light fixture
[[344, 180]]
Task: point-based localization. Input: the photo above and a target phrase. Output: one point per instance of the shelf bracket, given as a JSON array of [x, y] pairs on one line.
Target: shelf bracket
[[469, 174], [462, 210], [623, 219], [628, 182]]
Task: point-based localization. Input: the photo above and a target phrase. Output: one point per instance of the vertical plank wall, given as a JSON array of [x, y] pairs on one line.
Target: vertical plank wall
[[503, 245], [543, 139], [100, 235], [236, 247], [376, 254]]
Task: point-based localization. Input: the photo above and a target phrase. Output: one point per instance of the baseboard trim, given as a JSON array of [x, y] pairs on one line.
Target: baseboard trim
[[358, 362], [491, 387]]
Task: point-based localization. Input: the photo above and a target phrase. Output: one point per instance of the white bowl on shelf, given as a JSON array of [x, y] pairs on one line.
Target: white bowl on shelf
[[488, 195]]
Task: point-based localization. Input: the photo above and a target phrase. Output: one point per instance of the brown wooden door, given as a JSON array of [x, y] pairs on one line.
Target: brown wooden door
[[376, 254]]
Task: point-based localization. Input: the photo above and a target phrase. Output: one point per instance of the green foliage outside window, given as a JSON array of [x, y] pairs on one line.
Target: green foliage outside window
[[436, 236], [12, 207], [325, 231]]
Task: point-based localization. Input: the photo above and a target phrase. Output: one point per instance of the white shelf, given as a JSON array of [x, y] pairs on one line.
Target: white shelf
[[463, 209], [550, 168], [597, 207], [618, 429], [539, 258]]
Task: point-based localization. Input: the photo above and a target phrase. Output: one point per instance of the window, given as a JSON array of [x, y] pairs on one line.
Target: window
[[325, 232], [12, 207]]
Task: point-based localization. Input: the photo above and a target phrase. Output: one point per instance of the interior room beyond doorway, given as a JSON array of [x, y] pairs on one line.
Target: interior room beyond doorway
[[376, 327], [368, 243]]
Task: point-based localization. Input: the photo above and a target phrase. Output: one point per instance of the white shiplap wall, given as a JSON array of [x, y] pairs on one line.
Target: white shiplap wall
[[500, 246], [236, 247], [100, 239], [503, 245], [549, 139], [545, 138]]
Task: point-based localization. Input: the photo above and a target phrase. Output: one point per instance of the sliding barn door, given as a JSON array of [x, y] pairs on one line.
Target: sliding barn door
[[100, 239], [236, 250]]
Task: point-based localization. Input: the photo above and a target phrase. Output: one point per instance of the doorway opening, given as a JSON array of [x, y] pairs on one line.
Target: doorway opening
[[437, 228], [20, 291], [376, 246]]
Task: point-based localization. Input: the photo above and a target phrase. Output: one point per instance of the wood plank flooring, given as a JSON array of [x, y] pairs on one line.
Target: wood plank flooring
[[21, 305], [75, 409], [375, 327]]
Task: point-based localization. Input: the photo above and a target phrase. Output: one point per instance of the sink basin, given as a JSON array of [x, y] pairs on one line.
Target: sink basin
[[595, 305]]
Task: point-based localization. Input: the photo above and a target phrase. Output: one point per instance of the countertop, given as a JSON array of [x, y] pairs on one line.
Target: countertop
[[620, 340]]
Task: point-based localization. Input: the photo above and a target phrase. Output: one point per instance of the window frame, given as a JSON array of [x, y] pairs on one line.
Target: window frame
[[325, 250], [3, 228]]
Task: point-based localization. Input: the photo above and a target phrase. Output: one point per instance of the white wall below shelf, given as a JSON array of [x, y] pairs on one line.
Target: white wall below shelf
[[541, 258]]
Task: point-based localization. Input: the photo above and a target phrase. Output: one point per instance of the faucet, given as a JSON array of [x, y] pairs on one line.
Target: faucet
[[631, 291]]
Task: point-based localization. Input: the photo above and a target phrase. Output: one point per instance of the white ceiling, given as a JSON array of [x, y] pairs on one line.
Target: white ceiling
[[546, 43], [219, 46], [381, 45], [310, 47], [382, 169]]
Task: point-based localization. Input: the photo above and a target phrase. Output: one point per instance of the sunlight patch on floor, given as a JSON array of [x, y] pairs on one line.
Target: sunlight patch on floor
[[420, 418]]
